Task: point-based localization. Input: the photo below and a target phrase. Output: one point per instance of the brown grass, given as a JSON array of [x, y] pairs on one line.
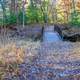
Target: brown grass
[[10, 54], [10, 57]]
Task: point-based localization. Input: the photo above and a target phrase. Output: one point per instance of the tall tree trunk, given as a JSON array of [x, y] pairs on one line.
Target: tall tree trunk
[[3, 3], [13, 6], [73, 8], [54, 11]]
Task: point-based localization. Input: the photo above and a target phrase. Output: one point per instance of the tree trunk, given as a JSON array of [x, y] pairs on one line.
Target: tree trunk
[[13, 6]]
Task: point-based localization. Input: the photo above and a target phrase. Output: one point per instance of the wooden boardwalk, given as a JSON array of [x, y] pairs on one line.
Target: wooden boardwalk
[[50, 35]]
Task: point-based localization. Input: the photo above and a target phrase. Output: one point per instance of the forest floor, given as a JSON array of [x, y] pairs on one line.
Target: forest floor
[[28, 60], [46, 61]]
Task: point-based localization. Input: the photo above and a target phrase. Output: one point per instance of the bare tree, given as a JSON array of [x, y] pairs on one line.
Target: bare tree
[[53, 10], [12, 6]]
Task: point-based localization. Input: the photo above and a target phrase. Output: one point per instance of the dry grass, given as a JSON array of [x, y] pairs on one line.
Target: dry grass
[[13, 54], [10, 57], [10, 53]]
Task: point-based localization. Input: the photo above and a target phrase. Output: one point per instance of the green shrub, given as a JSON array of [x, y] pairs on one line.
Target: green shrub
[[75, 19], [34, 15], [11, 19], [20, 18], [1, 22]]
